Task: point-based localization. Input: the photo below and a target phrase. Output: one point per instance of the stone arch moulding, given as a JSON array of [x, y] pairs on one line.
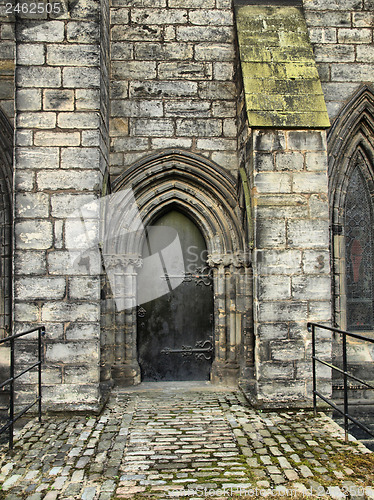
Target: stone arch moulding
[[6, 217], [350, 144], [205, 192]]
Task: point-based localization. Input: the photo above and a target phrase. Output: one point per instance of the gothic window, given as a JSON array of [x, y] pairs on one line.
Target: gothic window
[[358, 223]]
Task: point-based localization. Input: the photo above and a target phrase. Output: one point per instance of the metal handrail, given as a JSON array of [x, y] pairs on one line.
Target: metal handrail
[[311, 328], [10, 381]]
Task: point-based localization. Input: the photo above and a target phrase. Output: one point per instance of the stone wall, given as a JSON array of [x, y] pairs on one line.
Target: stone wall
[[290, 258], [172, 80], [60, 164], [342, 36]]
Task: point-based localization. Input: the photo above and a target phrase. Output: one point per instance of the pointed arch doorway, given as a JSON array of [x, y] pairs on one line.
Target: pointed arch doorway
[[175, 330]]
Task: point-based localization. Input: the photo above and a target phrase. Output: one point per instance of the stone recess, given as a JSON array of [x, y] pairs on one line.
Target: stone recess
[[62, 107], [290, 259], [172, 62]]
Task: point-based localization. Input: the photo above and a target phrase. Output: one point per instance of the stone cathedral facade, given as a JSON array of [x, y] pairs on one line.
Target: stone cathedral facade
[[247, 127]]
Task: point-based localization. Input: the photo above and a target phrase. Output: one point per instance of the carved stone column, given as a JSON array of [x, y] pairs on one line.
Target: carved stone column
[[228, 317], [122, 276]]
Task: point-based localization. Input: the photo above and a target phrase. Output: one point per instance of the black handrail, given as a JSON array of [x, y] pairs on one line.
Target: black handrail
[[10, 381], [311, 328]]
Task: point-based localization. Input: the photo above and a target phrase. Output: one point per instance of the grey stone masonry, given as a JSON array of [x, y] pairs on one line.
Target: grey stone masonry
[[60, 163], [7, 53], [290, 258], [172, 82], [342, 36]]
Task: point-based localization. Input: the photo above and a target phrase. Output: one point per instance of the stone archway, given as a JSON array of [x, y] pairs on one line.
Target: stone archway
[[208, 195]]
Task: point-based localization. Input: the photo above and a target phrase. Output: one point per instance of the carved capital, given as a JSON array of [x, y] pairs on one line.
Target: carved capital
[[116, 261], [236, 259]]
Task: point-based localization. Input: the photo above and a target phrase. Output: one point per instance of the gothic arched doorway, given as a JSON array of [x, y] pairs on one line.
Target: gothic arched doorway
[[175, 330]]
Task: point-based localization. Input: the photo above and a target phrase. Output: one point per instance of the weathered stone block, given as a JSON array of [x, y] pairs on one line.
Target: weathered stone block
[[30, 54], [282, 311], [79, 157], [270, 233], [78, 120], [34, 234], [73, 55], [30, 262], [307, 140], [214, 52], [66, 312], [271, 182], [165, 142], [70, 263], [26, 311], [72, 397], [58, 100], [39, 288], [188, 107], [36, 158], [87, 99], [319, 311], [205, 34], [274, 287], [163, 51], [316, 162], [281, 261], [223, 71], [323, 35], [34, 205], [352, 73], [308, 233], [199, 127], [316, 261], [287, 350], [217, 90], [56, 138], [82, 331], [81, 180], [354, 35], [134, 70], [81, 78], [191, 4], [224, 109], [311, 287], [268, 141], [365, 53], [64, 204], [272, 331], [156, 128], [137, 33], [29, 100], [74, 375], [334, 53], [227, 160], [159, 16], [319, 207], [119, 16], [211, 17], [184, 70], [24, 180], [162, 89], [289, 161], [72, 353], [216, 144], [82, 32], [34, 31], [272, 370], [84, 288], [310, 182], [36, 120], [144, 108], [121, 51]]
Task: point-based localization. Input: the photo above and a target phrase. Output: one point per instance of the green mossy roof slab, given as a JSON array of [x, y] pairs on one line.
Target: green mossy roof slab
[[281, 82]]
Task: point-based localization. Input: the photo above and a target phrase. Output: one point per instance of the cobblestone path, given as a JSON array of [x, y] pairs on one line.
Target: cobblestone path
[[184, 440]]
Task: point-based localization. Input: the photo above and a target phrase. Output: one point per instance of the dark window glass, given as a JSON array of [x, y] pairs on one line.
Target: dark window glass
[[359, 253]]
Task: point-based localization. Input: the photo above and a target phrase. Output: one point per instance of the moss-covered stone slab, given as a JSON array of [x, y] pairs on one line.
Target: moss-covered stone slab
[[280, 77]]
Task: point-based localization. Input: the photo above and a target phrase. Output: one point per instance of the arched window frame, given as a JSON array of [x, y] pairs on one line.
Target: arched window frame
[[350, 146]]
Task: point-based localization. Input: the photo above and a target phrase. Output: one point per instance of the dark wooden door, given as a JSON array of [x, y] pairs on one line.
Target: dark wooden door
[[175, 330]]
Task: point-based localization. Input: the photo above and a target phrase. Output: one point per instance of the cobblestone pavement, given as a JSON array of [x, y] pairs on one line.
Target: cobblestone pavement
[[184, 440]]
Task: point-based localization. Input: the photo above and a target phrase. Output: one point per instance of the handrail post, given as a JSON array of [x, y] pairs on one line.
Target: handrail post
[[41, 331], [11, 395], [312, 329], [345, 368]]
